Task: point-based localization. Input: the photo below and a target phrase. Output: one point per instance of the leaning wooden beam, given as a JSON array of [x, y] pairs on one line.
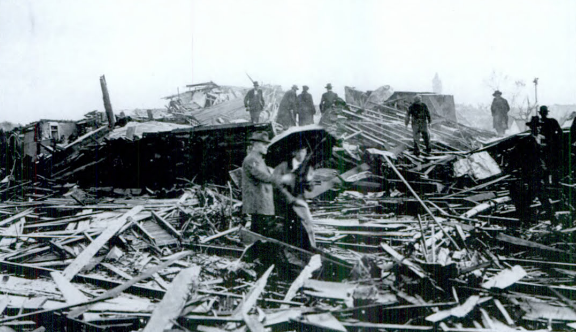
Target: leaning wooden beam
[[480, 186], [420, 201], [314, 264], [253, 295], [85, 256], [485, 206], [174, 300]]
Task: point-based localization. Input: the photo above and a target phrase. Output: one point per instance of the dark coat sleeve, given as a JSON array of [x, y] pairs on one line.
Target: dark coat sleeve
[[427, 112]]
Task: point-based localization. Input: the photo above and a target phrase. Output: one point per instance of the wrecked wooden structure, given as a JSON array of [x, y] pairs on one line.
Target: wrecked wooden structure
[[405, 243]]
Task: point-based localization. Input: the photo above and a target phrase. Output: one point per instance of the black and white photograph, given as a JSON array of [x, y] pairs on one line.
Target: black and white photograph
[[279, 166]]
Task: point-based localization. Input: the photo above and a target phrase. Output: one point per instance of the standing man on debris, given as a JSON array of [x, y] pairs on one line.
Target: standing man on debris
[[328, 99], [500, 109], [306, 109], [287, 109], [528, 164], [257, 182], [551, 144], [420, 115], [254, 102]]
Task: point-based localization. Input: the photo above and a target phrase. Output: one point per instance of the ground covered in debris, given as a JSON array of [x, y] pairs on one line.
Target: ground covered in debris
[[138, 228]]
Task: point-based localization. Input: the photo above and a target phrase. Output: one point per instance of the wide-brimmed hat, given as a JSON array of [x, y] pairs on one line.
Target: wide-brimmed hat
[[256, 83], [544, 109], [328, 86], [259, 137], [534, 121], [497, 93], [295, 87]]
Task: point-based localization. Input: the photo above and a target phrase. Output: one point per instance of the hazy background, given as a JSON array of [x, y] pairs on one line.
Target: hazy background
[[52, 53]]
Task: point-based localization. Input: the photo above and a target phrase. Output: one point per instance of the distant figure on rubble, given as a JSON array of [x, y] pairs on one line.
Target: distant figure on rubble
[[529, 167], [551, 144], [500, 109], [289, 200], [257, 182], [420, 115], [328, 99], [287, 108], [306, 109], [254, 102]]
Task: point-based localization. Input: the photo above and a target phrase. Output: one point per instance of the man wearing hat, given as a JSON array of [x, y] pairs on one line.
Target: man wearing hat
[[552, 143], [420, 115], [328, 99], [257, 182], [500, 109], [287, 109], [528, 165], [254, 102], [306, 109]]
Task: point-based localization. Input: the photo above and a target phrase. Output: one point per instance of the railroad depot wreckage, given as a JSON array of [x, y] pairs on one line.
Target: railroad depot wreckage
[[133, 221]]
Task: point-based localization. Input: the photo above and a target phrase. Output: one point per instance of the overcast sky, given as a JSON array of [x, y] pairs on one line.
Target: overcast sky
[[52, 53]]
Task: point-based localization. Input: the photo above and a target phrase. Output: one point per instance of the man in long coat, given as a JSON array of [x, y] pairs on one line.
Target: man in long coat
[[287, 108], [500, 109], [420, 115], [254, 102], [552, 144], [257, 182], [328, 99], [306, 109]]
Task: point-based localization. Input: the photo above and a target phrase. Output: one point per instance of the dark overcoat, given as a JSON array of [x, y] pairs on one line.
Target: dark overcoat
[[287, 109], [306, 109]]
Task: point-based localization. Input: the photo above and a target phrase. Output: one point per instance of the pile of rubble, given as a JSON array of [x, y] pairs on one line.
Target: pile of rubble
[[140, 228]]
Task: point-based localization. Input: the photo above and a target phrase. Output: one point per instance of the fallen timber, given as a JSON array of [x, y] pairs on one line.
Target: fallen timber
[[419, 249]]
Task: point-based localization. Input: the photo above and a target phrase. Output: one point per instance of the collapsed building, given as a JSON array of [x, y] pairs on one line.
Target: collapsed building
[[140, 227]]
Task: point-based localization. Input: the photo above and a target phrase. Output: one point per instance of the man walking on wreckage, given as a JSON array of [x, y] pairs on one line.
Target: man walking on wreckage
[[529, 167], [287, 108], [254, 102], [306, 109], [420, 115], [257, 183], [499, 109], [328, 99], [551, 144]]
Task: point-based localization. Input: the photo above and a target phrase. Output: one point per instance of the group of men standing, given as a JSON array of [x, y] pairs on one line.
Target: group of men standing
[[537, 162], [294, 109]]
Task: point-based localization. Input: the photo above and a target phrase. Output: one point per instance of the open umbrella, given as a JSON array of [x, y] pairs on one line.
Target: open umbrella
[[314, 137]]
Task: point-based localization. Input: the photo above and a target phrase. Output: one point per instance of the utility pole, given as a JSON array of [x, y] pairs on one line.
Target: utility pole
[[107, 104], [536, 92]]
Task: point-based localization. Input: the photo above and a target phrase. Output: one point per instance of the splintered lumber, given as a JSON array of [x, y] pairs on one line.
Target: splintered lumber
[[174, 300], [85, 256], [525, 243], [458, 311], [71, 293], [485, 206], [119, 289], [403, 260], [314, 264], [426, 208], [325, 321], [505, 278], [215, 236], [327, 185], [250, 300], [15, 217]]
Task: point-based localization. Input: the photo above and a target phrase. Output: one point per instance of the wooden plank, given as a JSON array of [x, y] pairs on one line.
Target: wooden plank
[[314, 264], [15, 217], [116, 270], [85, 256], [250, 300], [174, 300], [71, 293], [166, 225], [215, 236]]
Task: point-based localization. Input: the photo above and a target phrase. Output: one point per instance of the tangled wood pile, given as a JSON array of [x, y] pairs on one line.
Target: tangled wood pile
[[405, 243]]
